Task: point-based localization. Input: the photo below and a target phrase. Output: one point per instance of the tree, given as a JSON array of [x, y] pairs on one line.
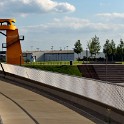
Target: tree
[[113, 49], [120, 49], [109, 49], [94, 46], [78, 47]]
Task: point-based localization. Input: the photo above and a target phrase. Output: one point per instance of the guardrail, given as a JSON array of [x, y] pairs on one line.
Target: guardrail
[[105, 94]]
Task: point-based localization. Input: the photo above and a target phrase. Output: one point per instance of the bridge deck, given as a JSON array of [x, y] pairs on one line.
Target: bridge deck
[[21, 106]]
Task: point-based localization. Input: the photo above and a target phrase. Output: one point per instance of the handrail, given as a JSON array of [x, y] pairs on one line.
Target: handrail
[[3, 69]]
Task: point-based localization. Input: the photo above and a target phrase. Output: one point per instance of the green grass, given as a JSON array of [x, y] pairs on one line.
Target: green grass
[[65, 69], [55, 63]]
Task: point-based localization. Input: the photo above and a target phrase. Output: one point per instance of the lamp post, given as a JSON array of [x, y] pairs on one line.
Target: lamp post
[[37, 49], [52, 52], [122, 53], [67, 52], [106, 65], [31, 48], [52, 48], [87, 54]]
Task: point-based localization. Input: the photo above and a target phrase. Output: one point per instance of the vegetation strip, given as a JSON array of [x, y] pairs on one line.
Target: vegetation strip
[[65, 69]]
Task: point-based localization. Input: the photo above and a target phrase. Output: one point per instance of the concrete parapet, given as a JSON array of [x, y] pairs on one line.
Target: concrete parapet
[[97, 110]]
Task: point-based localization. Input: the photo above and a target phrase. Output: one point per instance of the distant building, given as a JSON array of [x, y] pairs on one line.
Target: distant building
[[56, 55], [27, 56], [59, 55], [87, 54]]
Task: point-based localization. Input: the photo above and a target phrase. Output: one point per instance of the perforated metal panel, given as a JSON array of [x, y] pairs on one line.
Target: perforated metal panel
[[106, 93]]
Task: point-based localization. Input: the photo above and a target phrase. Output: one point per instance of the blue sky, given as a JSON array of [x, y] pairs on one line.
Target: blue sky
[[60, 23]]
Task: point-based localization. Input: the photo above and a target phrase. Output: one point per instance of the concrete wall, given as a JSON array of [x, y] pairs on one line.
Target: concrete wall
[[96, 111], [102, 100]]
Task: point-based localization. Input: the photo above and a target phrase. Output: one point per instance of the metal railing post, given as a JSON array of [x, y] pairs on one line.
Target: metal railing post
[[3, 69]]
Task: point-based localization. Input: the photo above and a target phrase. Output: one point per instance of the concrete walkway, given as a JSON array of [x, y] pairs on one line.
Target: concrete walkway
[[21, 106]]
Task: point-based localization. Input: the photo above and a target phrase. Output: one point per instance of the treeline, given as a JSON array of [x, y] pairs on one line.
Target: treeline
[[112, 51]]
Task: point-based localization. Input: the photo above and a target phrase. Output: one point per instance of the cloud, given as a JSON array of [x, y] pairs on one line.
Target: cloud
[[72, 24], [25, 7], [111, 15], [78, 24], [73, 27], [67, 30]]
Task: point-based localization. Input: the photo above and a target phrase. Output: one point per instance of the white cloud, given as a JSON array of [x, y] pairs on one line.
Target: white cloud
[[76, 24], [82, 24], [70, 22], [111, 15], [70, 28], [25, 7], [67, 30]]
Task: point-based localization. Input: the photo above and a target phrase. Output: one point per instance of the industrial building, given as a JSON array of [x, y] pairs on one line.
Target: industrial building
[[57, 55]]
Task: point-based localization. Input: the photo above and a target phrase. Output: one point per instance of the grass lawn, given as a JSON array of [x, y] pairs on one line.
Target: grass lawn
[[55, 63], [65, 69]]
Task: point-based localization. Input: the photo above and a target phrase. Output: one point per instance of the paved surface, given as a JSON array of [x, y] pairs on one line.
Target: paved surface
[[21, 106]]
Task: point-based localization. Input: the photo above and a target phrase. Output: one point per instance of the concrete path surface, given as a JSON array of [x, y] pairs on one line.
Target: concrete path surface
[[21, 106]]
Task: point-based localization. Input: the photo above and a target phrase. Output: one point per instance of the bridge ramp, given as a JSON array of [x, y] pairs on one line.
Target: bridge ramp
[[21, 106]]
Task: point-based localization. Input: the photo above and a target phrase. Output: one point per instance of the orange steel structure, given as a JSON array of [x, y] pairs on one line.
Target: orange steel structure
[[14, 52]]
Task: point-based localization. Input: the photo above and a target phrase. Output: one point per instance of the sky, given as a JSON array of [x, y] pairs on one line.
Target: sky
[[60, 23]]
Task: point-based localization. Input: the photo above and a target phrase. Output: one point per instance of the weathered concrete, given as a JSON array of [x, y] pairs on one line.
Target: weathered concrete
[[21, 106]]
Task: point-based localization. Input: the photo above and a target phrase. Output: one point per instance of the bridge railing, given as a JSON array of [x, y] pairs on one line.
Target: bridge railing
[[106, 93]]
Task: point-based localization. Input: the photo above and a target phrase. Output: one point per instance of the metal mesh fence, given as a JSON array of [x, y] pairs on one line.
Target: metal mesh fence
[[107, 93]]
